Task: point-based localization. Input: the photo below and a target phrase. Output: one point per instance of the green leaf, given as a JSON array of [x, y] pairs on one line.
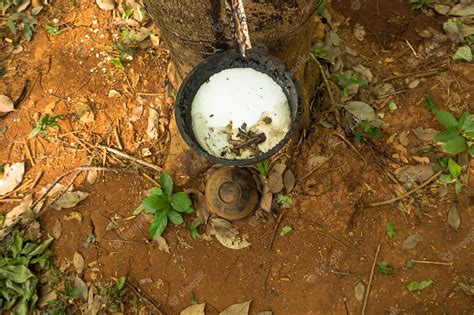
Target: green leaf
[[41, 248], [28, 248], [430, 105], [285, 230], [120, 283], [285, 200], [194, 229], [156, 191], [28, 30], [471, 150], [447, 119], [175, 217], [385, 268], [446, 179], [21, 307], [11, 23], [458, 187], [181, 203], [36, 131], [454, 168], [17, 244], [466, 122], [418, 286], [263, 167], [117, 63], [445, 136], [392, 106], [456, 145], [410, 263], [159, 223], [463, 53], [156, 203], [390, 229], [52, 29], [166, 183], [18, 274], [2, 218]]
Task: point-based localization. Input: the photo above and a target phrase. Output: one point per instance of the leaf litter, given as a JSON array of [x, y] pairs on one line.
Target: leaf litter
[[226, 233], [12, 177]]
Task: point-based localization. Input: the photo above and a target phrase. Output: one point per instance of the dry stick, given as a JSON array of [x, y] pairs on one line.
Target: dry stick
[[145, 296], [16, 190], [37, 179], [326, 81], [150, 179], [131, 158], [411, 192], [314, 170], [349, 144], [427, 262], [28, 153], [275, 229], [370, 280], [418, 74], [10, 200], [78, 170], [117, 139]]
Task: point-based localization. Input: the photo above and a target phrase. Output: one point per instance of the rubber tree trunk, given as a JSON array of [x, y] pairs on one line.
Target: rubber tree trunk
[[194, 30]]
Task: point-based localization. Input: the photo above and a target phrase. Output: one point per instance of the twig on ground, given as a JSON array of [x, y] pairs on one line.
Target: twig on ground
[[150, 179], [337, 134], [427, 262], [131, 158], [145, 296], [326, 82], [371, 278], [411, 192], [117, 139], [37, 179], [28, 153], [26, 184], [10, 200], [275, 229]]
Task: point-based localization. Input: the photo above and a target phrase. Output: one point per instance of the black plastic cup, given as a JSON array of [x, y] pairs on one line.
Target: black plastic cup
[[254, 59]]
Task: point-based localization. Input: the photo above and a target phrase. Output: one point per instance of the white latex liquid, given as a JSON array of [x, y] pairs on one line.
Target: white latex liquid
[[233, 97]]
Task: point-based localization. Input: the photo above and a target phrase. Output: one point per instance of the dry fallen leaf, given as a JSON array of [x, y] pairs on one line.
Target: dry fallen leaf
[[6, 105], [411, 242], [275, 178], [359, 291], [162, 244], [197, 309], [57, 229], [153, 123], [453, 218], [266, 200], [92, 177], [289, 181], [136, 114], [425, 134], [107, 5], [226, 233], [237, 309], [73, 216], [200, 204], [70, 199], [414, 173], [15, 215], [12, 177], [265, 313], [81, 286], [78, 262]]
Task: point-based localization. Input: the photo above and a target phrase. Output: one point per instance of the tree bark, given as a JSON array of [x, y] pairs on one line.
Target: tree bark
[[194, 30]]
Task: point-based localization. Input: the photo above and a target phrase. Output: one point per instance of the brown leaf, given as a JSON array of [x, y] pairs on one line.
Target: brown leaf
[[81, 286], [92, 177], [78, 262], [57, 229], [162, 244], [275, 178], [289, 181], [6, 105], [197, 309], [414, 173], [359, 291], [237, 309], [266, 200], [200, 204], [411, 242], [12, 177], [226, 233], [453, 218], [425, 134]]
